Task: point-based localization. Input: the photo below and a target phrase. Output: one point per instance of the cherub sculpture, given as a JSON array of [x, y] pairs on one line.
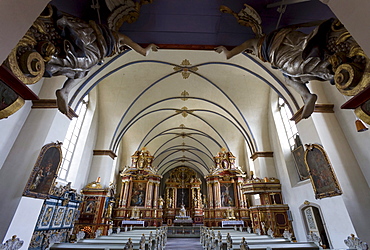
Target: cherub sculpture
[[302, 57], [62, 44]]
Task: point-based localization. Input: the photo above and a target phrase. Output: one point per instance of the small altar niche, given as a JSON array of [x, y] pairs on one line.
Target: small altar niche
[[183, 198], [139, 192]]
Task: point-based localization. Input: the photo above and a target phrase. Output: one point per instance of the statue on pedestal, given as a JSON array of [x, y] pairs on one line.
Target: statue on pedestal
[[160, 202], [182, 212]]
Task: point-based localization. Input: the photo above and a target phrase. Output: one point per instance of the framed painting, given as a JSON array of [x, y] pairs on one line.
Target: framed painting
[[322, 176], [45, 171], [298, 156], [227, 194], [90, 206], [138, 194]]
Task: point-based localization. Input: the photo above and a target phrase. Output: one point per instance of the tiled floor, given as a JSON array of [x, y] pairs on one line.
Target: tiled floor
[[183, 244]]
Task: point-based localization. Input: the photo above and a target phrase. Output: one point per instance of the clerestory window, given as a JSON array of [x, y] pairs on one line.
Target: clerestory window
[[70, 141], [294, 140]]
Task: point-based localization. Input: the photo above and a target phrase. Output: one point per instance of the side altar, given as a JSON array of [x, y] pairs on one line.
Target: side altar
[[225, 200], [139, 202]]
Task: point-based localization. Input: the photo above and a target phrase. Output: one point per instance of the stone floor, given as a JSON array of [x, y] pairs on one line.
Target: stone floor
[[183, 244]]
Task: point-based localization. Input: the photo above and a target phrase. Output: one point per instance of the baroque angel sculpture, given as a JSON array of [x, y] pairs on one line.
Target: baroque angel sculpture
[[329, 52], [61, 44]]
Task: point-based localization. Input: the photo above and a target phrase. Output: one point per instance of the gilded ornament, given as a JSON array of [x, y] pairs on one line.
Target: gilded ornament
[[185, 68]]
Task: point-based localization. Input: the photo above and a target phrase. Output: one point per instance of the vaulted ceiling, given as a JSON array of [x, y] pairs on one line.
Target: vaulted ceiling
[[186, 102]]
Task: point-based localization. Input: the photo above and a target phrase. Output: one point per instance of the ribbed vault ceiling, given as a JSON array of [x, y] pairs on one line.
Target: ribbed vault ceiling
[[185, 105]]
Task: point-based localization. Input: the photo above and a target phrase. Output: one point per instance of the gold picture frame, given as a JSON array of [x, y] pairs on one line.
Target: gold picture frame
[[44, 173], [299, 160], [322, 176]]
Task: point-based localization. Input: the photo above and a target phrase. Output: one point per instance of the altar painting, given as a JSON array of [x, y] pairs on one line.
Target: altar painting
[[138, 194], [227, 195], [323, 179]]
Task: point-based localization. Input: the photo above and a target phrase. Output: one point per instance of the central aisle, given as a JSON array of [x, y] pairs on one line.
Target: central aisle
[[183, 244]]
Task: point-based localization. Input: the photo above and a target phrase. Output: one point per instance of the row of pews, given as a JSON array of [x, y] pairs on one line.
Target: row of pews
[[136, 238], [221, 238]]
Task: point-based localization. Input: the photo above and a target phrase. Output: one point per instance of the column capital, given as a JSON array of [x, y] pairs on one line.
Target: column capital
[[51, 104], [105, 152], [256, 155], [319, 108]]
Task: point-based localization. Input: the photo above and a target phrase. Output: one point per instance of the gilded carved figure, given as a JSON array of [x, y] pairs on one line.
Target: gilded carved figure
[[329, 52]]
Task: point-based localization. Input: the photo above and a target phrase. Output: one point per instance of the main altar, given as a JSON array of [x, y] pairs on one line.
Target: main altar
[[183, 197]]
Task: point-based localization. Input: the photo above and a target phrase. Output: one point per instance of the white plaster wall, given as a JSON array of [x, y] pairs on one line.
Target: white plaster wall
[[359, 142], [24, 220], [41, 127], [11, 126], [334, 211]]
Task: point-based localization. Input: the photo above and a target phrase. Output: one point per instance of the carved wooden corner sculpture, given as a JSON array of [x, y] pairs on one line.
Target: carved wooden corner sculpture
[[61, 44], [328, 53]]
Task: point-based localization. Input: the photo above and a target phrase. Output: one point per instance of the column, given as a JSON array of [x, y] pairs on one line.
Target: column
[[149, 194], [121, 193], [156, 190], [21, 159], [240, 196], [199, 197], [217, 196], [126, 191], [210, 193], [339, 139], [102, 166]]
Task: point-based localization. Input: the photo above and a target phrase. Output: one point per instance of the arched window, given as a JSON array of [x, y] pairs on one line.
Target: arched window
[[294, 140], [69, 143]]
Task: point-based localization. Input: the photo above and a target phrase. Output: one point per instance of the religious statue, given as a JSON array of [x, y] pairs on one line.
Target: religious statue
[[62, 44], [161, 202], [182, 212], [302, 57], [169, 202]]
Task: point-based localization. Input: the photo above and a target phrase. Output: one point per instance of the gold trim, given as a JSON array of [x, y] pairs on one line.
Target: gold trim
[[51, 104], [110, 153], [362, 115], [262, 154], [337, 190], [324, 108], [44, 104], [12, 108]]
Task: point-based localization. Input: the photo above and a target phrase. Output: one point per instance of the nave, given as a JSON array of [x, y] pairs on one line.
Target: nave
[[182, 137]]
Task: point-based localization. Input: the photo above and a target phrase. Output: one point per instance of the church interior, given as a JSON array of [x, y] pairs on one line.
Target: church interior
[[184, 117]]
